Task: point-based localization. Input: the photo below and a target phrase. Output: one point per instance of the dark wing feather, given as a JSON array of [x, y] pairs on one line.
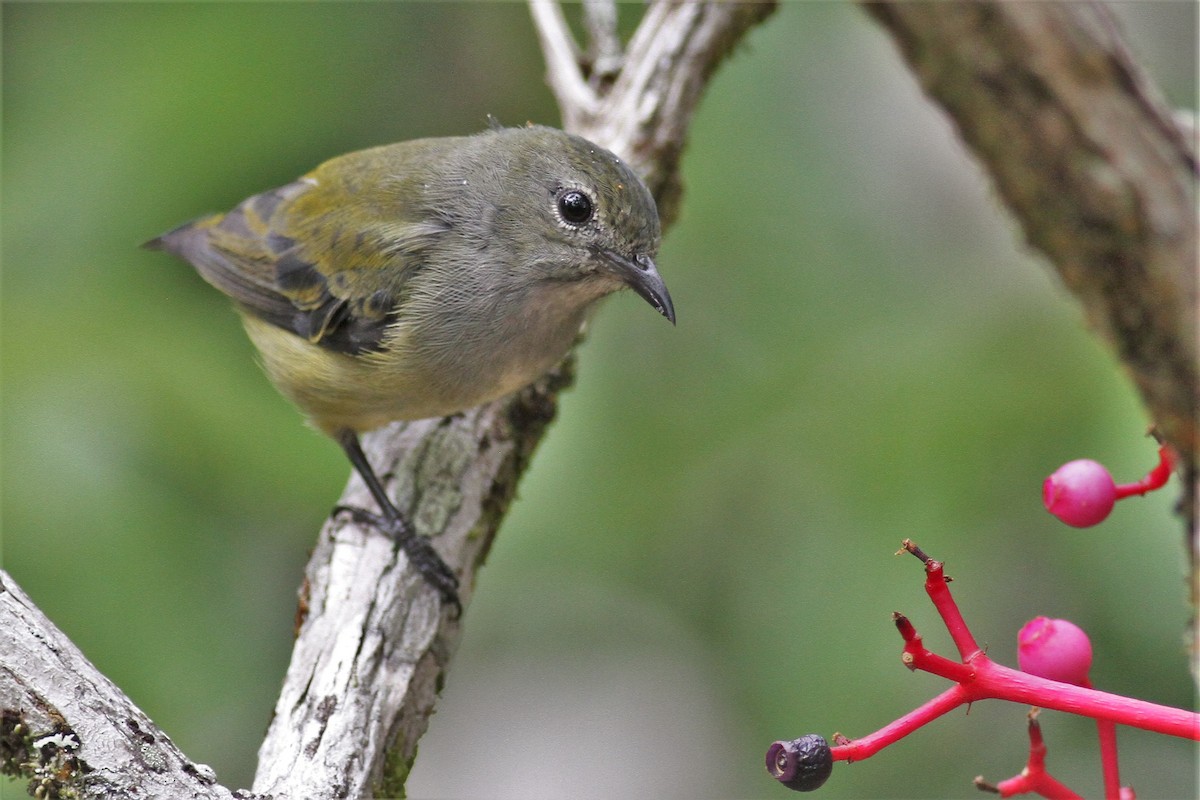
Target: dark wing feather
[[341, 298]]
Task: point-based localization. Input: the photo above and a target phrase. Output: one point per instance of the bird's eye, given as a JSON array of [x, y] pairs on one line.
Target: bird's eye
[[575, 207]]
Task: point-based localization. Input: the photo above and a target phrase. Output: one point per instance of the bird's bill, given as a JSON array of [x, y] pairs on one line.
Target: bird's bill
[[640, 274]]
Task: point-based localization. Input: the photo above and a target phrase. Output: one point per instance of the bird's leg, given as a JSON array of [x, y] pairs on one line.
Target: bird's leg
[[391, 522]]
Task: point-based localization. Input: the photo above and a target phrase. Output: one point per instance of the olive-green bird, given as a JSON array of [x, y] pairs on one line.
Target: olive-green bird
[[423, 278]]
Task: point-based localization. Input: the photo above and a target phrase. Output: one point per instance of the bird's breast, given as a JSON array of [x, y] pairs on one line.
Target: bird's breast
[[443, 354]]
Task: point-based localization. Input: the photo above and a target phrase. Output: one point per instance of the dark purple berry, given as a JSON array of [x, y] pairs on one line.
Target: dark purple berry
[[802, 764]]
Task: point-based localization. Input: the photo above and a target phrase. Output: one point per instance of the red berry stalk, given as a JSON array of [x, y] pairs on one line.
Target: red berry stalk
[[805, 763], [1034, 779], [1082, 493]]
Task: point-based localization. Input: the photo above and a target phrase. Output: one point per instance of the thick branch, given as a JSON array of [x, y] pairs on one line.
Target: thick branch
[[1093, 166], [373, 640], [373, 648], [65, 727], [373, 645]]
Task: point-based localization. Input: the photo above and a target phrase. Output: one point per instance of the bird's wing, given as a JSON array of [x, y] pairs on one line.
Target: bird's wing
[[308, 258]]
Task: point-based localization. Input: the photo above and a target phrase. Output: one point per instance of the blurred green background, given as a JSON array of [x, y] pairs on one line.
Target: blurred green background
[[700, 560]]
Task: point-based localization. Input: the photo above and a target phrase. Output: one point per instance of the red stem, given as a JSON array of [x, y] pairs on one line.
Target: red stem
[[941, 666], [977, 677], [1041, 783], [1034, 779], [1155, 479], [1044, 783], [1109, 764], [1004, 683], [939, 593], [869, 745], [1108, 759], [984, 679]]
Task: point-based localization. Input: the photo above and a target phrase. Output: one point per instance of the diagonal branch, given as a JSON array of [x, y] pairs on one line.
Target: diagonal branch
[[372, 649], [373, 644], [66, 728], [564, 72]]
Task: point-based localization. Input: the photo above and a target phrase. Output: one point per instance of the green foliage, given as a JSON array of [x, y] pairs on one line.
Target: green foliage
[[700, 559]]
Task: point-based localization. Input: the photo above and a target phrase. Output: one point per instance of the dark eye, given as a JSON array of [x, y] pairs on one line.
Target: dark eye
[[575, 207]]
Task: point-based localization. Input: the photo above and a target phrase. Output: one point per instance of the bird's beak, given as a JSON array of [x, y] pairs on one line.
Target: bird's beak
[[640, 274]]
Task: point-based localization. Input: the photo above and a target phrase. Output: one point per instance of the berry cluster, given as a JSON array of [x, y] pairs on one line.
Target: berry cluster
[[1054, 657]]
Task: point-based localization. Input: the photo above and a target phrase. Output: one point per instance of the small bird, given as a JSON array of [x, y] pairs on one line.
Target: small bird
[[423, 278]]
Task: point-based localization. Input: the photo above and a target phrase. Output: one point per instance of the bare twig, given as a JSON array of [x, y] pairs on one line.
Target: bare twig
[[605, 51], [644, 115], [563, 70]]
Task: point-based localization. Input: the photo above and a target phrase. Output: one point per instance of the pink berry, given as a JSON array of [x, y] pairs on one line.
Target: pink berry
[[1056, 649], [1080, 493]]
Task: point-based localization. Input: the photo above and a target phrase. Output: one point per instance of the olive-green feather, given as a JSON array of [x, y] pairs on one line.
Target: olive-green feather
[[322, 257]]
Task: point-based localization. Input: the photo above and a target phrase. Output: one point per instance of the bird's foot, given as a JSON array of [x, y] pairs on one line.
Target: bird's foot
[[418, 548]]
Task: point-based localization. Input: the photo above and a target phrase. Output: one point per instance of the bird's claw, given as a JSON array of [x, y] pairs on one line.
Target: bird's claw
[[419, 550]]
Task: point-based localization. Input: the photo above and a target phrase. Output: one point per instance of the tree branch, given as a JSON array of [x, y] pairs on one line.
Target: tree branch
[[372, 649], [373, 642], [1094, 167], [64, 726], [644, 113]]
